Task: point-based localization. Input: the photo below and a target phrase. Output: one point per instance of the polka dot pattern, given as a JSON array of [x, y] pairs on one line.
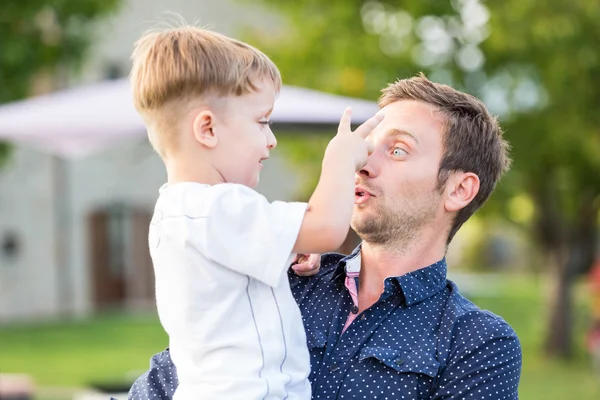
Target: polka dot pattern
[[421, 340]]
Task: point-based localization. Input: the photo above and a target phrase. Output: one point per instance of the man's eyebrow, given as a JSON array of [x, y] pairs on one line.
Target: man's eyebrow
[[400, 132]]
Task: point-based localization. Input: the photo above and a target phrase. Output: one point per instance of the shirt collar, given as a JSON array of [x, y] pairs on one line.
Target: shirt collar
[[423, 283], [340, 269], [416, 286]]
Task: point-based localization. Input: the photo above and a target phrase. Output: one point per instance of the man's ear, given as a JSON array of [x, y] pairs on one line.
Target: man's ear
[[461, 189], [203, 128]]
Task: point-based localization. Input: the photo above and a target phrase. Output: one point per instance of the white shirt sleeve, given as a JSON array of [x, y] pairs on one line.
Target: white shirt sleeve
[[249, 235]]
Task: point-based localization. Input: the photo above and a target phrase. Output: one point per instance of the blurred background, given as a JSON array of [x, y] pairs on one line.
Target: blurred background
[[77, 317]]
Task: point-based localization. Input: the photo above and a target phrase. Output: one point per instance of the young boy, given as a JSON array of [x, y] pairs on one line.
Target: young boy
[[220, 250]]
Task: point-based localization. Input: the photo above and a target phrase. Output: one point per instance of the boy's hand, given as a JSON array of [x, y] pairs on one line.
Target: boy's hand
[[354, 143], [307, 264]]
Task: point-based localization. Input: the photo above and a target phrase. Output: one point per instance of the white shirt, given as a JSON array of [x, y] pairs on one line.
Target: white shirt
[[220, 256]]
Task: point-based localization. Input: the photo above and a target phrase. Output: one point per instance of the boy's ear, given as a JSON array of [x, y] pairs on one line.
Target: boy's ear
[[203, 128]]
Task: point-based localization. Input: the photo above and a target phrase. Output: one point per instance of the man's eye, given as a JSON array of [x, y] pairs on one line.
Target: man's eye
[[399, 152], [264, 122]]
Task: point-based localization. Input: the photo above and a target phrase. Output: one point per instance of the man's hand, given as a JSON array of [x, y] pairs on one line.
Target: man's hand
[[306, 264]]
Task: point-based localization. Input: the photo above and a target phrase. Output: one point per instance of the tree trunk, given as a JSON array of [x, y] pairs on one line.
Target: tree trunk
[[569, 250], [559, 337]]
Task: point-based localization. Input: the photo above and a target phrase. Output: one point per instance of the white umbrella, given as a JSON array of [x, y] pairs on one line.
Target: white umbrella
[[77, 122]]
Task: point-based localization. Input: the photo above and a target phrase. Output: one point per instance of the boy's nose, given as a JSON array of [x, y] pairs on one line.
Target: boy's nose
[[271, 140]]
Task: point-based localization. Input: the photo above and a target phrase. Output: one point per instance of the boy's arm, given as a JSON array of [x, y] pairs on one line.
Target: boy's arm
[[327, 218], [243, 232]]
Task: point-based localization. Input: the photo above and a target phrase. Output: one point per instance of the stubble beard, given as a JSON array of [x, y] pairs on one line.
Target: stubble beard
[[398, 225]]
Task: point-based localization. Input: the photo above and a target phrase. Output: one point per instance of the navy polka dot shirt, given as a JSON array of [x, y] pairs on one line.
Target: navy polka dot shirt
[[421, 340]]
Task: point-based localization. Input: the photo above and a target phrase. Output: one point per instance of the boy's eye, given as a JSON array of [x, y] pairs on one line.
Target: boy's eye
[[399, 152]]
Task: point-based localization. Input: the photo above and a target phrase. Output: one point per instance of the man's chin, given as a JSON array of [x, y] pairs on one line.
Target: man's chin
[[361, 208], [363, 212], [361, 222]]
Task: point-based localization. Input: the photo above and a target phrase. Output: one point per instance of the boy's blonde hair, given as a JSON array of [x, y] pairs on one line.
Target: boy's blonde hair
[[182, 64]]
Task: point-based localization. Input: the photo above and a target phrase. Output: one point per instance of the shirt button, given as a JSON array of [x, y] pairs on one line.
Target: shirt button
[[398, 361], [354, 309], [333, 367]]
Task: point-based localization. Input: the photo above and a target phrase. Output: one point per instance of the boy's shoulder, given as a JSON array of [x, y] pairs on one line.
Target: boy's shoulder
[[197, 200], [195, 189]]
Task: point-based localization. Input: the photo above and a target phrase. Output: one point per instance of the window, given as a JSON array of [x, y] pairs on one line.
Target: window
[[10, 245], [118, 239]]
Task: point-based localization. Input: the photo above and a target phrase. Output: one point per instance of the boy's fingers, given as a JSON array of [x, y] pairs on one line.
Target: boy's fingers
[[369, 125], [345, 121], [370, 147]]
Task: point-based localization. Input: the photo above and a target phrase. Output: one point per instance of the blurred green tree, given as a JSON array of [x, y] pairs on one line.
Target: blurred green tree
[[534, 62], [41, 37]]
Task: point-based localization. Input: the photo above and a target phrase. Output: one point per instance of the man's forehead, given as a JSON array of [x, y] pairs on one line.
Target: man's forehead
[[408, 108], [409, 116]]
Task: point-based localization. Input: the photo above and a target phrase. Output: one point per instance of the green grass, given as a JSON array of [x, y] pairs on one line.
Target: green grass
[[117, 347], [109, 348]]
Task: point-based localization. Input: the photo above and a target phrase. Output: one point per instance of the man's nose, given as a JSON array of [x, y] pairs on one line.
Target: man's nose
[[369, 170]]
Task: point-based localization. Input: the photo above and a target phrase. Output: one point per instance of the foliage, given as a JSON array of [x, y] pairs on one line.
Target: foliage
[[534, 62], [304, 150], [40, 37]]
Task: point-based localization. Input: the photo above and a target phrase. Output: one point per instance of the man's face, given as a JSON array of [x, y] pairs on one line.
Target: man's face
[[396, 194]]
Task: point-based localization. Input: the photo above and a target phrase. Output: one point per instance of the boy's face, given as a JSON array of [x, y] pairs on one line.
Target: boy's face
[[245, 137]]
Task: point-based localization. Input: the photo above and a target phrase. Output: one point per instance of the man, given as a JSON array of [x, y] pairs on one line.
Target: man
[[383, 322]]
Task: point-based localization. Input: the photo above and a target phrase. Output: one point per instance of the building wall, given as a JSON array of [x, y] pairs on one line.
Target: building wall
[[116, 36], [47, 202], [28, 280]]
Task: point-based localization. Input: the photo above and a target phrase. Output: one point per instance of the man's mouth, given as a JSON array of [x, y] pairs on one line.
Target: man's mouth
[[361, 195]]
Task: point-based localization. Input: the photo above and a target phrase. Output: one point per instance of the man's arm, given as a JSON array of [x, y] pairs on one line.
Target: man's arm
[[485, 362]]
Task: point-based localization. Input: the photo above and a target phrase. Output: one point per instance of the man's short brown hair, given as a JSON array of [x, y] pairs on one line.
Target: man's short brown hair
[[472, 138], [182, 64]]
